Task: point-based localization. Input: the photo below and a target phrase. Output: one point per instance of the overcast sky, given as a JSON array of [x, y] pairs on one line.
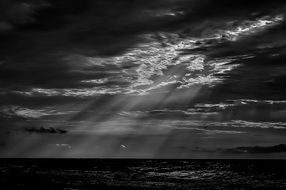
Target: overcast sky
[[143, 79]]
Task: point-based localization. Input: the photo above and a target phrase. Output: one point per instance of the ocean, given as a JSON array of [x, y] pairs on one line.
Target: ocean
[[142, 174]]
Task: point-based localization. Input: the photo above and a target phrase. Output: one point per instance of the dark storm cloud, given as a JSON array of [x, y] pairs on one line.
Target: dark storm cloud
[[44, 130], [15, 13], [32, 53], [42, 34], [257, 149]]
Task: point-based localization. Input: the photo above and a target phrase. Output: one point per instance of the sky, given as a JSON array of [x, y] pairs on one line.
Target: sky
[[143, 79]]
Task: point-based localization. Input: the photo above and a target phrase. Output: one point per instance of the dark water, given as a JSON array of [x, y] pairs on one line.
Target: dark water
[[142, 174]]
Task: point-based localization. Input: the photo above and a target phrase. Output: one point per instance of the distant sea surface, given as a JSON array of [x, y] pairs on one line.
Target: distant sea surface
[[142, 174]]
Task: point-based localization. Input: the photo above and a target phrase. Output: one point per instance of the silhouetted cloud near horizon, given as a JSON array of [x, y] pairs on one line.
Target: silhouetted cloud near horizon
[[44, 130], [257, 149]]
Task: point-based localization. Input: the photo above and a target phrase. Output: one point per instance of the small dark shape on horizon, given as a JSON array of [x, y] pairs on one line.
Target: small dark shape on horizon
[[42, 130]]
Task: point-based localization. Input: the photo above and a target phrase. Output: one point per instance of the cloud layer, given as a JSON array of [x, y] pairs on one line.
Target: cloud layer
[[211, 72]]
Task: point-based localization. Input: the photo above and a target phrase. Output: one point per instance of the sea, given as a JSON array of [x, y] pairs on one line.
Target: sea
[[142, 174]]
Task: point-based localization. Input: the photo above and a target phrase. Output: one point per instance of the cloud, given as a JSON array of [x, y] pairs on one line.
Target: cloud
[[13, 111], [228, 105], [72, 92], [251, 110], [211, 131], [137, 48], [43, 130], [60, 146], [15, 13], [17, 111], [144, 68], [205, 65], [257, 149], [63, 146], [250, 27]]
